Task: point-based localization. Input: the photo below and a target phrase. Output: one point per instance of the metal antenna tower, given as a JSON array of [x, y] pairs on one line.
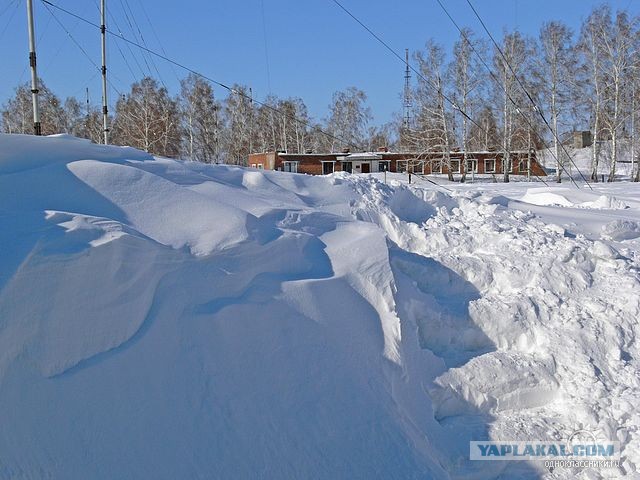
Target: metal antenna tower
[[407, 105]]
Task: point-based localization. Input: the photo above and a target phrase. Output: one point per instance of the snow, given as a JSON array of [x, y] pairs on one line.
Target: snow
[[581, 160], [560, 196], [168, 319]]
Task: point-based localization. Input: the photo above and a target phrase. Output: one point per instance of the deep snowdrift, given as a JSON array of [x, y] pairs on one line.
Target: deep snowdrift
[[162, 319]]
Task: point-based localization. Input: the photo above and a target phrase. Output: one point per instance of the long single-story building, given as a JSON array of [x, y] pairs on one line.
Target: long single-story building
[[383, 160]]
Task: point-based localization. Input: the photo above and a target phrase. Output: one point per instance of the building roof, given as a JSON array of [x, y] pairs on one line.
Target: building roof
[[363, 156]]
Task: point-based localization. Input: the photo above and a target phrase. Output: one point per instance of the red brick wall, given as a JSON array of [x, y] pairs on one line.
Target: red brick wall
[[312, 163], [480, 157]]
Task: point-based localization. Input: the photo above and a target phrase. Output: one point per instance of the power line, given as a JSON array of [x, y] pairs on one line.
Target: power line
[[535, 107], [10, 19], [417, 72], [220, 84], [497, 80], [131, 29], [121, 35], [7, 7], [424, 177], [155, 35], [135, 22], [133, 75], [77, 44], [266, 46], [399, 57]]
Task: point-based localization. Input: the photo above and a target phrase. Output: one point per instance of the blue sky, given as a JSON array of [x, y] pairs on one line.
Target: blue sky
[[311, 48]]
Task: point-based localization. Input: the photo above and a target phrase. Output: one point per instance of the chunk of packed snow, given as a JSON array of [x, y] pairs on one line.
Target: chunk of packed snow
[[546, 198], [621, 230]]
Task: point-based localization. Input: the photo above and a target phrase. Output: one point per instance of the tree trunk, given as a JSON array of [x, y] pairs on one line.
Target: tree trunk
[[556, 143]]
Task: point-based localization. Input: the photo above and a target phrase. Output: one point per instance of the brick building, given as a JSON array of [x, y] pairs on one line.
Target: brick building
[[369, 162]]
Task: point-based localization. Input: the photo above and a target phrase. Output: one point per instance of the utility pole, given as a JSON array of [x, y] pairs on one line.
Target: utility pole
[[37, 127], [105, 108]]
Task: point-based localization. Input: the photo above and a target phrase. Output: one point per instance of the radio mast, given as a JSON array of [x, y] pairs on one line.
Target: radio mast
[[407, 106], [105, 108], [37, 128]]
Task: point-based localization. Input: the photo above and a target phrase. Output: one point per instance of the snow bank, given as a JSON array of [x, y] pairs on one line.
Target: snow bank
[[170, 319], [572, 198]]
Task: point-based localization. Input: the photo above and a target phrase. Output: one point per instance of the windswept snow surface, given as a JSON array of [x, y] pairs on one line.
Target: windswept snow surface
[[165, 319]]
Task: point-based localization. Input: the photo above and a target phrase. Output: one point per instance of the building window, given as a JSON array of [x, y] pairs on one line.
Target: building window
[[508, 166], [472, 165], [327, 168], [417, 166], [436, 166], [253, 165], [383, 166], [524, 165], [490, 165], [290, 167], [413, 166], [347, 167], [260, 166], [455, 166]]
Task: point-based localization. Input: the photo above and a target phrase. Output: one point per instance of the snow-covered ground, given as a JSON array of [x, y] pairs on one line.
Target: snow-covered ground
[[581, 161], [163, 319]]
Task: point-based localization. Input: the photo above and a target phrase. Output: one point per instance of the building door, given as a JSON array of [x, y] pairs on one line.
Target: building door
[[366, 167], [327, 168], [347, 167]]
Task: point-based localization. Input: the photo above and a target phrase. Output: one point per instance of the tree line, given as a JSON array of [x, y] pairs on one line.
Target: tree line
[[196, 125], [530, 92], [525, 93]]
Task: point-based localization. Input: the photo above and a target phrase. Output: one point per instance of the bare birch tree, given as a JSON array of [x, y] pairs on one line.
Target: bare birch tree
[[556, 66], [510, 68], [201, 120], [239, 125], [148, 119], [467, 83], [433, 132], [17, 113], [348, 119], [619, 42]]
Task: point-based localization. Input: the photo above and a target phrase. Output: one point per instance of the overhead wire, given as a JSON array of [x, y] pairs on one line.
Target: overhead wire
[[133, 32], [495, 78], [157, 37], [7, 7], [142, 40], [266, 45], [528, 95], [216, 82], [77, 44], [126, 62], [121, 35], [424, 177], [10, 19], [453, 103]]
